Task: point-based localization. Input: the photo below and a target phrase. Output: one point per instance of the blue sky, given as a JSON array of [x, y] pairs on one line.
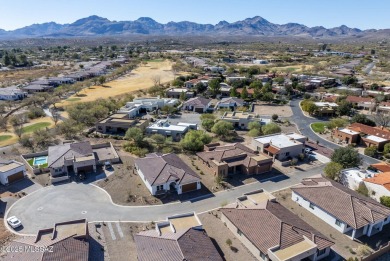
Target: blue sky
[[331, 13]]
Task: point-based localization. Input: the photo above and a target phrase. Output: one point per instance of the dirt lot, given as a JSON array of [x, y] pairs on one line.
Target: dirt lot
[[138, 79], [343, 245], [266, 109], [219, 233]]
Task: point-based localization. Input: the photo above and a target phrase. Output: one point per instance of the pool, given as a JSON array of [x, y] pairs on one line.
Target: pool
[[40, 160]]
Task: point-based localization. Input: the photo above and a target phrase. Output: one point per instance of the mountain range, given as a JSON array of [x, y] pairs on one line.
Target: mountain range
[[256, 26]]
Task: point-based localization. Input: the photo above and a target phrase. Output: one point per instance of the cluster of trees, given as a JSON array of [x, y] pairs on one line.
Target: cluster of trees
[[344, 107], [14, 59], [342, 158], [256, 129]]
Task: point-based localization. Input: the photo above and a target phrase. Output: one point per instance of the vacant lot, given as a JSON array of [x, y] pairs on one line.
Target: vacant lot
[[139, 79], [266, 109]]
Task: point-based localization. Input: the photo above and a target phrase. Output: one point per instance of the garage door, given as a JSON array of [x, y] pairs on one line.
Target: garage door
[[199, 110], [188, 187], [15, 177], [85, 169]]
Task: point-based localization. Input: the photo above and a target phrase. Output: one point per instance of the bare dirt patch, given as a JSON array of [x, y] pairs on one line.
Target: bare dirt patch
[[219, 233], [266, 109]]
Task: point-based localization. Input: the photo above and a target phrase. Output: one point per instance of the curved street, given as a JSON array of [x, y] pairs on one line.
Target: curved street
[[52, 204]]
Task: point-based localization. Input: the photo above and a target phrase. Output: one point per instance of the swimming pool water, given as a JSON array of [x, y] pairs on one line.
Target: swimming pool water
[[40, 160]]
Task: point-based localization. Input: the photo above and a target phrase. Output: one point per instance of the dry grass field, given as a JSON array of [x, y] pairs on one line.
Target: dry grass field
[[139, 79]]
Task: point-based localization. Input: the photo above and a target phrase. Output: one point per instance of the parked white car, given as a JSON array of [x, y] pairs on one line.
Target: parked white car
[[308, 151], [14, 222]]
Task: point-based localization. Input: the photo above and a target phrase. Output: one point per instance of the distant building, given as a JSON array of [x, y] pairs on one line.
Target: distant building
[[197, 104], [143, 105], [167, 129], [176, 93], [378, 185], [119, 123], [241, 119], [12, 93], [11, 171], [230, 103], [326, 108]]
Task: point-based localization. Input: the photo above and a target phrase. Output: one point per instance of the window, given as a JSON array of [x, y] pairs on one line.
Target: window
[[262, 255], [338, 222], [239, 232], [321, 252], [287, 153], [160, 187], [311, 206]]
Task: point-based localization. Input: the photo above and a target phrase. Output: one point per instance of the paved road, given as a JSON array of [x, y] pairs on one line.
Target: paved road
[[74, 201], [369, 67], [303, 124]]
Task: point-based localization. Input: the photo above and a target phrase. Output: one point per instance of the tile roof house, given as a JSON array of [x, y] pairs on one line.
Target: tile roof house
[[233, 159], [272, 232], [366, 103], [162, 173], [11, 171], [359, 133], [381, 166], [197, 104], [65, 241], [344, 209], [380, 183]]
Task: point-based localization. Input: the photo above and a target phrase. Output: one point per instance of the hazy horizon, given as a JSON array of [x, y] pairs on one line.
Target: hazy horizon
[[306, 12]]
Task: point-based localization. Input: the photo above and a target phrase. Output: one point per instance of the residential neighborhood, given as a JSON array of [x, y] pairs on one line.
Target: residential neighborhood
[[148, 140]]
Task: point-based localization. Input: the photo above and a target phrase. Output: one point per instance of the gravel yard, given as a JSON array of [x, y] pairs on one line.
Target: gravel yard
[[266, 109], [219, 233]]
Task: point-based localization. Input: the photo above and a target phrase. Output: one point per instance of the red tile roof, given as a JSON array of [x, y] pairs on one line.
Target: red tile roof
[[380, 179], [273, 225], [355, 99], [344, 204], [382, 166], [376, 131]]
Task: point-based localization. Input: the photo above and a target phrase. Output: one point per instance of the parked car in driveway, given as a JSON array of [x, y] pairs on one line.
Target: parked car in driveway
[[14, 222], [308, 151]]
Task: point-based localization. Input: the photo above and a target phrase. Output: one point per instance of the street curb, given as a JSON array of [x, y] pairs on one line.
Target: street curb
[[303, 112]]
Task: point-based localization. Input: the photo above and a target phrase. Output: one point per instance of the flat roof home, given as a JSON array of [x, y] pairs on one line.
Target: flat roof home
[[149, 104], [197, 104], [233, 159], [326, 108], [281, 146], [179, 238], [271, 232], [241, 119], [383, 107], [119, 123], [344, 209], [164, 127], [176, 93], [12, 93], [362, 134], [11, 171], [230, 103], [163, 173], [353, 177], [65, 241]]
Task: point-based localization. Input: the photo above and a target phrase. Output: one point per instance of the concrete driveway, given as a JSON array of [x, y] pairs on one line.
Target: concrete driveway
[[52, 204]]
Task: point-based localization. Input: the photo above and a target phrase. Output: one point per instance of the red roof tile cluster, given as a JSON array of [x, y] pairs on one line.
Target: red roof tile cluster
[[343, 203], [356, 99], [382, 179], [368, 130], [273, 225]]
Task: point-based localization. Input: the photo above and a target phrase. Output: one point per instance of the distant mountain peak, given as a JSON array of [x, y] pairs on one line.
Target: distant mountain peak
[[255, 26]]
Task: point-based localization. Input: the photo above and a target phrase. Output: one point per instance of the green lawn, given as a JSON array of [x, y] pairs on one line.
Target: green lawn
[[73, 99], [319, 126], [31, 162], [36, 126], [5, 137]]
